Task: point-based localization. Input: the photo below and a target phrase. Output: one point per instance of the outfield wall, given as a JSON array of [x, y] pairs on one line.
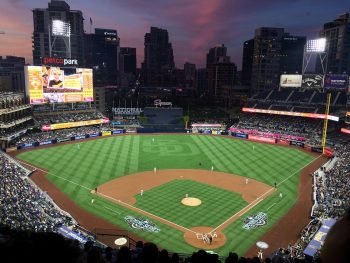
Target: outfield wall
[[58, 140], [301, 144]]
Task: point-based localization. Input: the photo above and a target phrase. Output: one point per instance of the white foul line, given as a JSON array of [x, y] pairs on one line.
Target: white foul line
[[121, 202], [56, 175], [254, 203], [147, 213], [247, 208]]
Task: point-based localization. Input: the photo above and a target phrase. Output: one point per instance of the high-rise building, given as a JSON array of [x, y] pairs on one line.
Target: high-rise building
[[102, 55], [266, 58], [12, 73], [58, 32], [292, 53], [215, 53], [190, 74], [202, 81], [247, 62], [337, 34], [158, 50], [159, 59], [127, 60], [275, 52], [221, 72], [127, 67]]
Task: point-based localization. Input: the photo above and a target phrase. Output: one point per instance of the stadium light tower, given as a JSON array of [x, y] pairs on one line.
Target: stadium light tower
[[318, 48], [60, 30]]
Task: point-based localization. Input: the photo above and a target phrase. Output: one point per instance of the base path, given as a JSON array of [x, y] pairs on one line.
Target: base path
[[130, 185]]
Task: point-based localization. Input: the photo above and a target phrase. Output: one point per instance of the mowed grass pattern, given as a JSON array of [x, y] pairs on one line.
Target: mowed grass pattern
[[165, 201], [76, 170]]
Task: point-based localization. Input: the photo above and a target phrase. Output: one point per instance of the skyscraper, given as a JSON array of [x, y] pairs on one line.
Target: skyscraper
[[274, 52], [127, 66], [12, 73], [221, 72], [247, 62], [337, 34], [102, 55], [158, 50], [127, 60], [266, 58], [292, 54], [58, 32], [190, 74], [159, 58]]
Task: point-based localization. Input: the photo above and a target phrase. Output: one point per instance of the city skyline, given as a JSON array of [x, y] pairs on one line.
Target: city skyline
[[193, 27]]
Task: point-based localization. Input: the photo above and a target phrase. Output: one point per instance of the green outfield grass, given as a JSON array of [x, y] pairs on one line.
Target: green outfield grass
[[78, 169]]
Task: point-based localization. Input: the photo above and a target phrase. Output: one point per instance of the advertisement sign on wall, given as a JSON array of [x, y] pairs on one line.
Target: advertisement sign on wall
[[261, 139], [292, 113], [335, 81], [290, 81], [312, 81], [66, 125]]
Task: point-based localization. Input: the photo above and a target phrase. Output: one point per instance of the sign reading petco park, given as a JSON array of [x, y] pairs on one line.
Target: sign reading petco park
[[52, 61]]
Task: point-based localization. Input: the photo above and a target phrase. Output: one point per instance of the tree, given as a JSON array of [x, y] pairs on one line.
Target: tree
[[186, 119]]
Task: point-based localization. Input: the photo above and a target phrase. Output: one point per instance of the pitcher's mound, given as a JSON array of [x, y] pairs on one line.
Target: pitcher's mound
[[191, 201]]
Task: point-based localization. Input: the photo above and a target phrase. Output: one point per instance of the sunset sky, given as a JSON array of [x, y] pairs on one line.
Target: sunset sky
[[194, 26]]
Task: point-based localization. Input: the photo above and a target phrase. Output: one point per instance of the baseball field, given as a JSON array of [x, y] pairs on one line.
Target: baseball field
[[177, 190]]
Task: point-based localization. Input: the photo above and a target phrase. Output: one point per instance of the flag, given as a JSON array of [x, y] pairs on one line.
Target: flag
[[90, 21]]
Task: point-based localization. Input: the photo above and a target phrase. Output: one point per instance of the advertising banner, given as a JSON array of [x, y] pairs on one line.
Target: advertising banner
[[283, 142], [290, 81], [317, 241], [80, 137], [312, 81], [106, 133], [94, 135], [328, 152], [11, 149], [297, 143], [240, 135], [63, 140], [66, 125], [343, 130], [65, 231], [118, 131], [335, 81], [316, 149], [45, 142], [58, 85], [14, 136], [261, 139], [290, 113], [307, 147]]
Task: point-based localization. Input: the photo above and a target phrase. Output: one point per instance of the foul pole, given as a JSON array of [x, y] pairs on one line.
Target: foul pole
[[325, 123]]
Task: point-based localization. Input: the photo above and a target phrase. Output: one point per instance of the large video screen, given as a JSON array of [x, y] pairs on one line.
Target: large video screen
[[58, 85]]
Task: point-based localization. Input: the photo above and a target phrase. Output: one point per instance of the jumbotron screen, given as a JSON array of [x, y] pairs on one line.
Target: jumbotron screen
[[58, 85]]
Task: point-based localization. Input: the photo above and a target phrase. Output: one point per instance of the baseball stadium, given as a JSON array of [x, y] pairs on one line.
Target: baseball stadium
[[104, 162]]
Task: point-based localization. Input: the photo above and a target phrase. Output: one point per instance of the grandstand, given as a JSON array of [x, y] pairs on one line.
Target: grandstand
[[27, 208], [15, 117]]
